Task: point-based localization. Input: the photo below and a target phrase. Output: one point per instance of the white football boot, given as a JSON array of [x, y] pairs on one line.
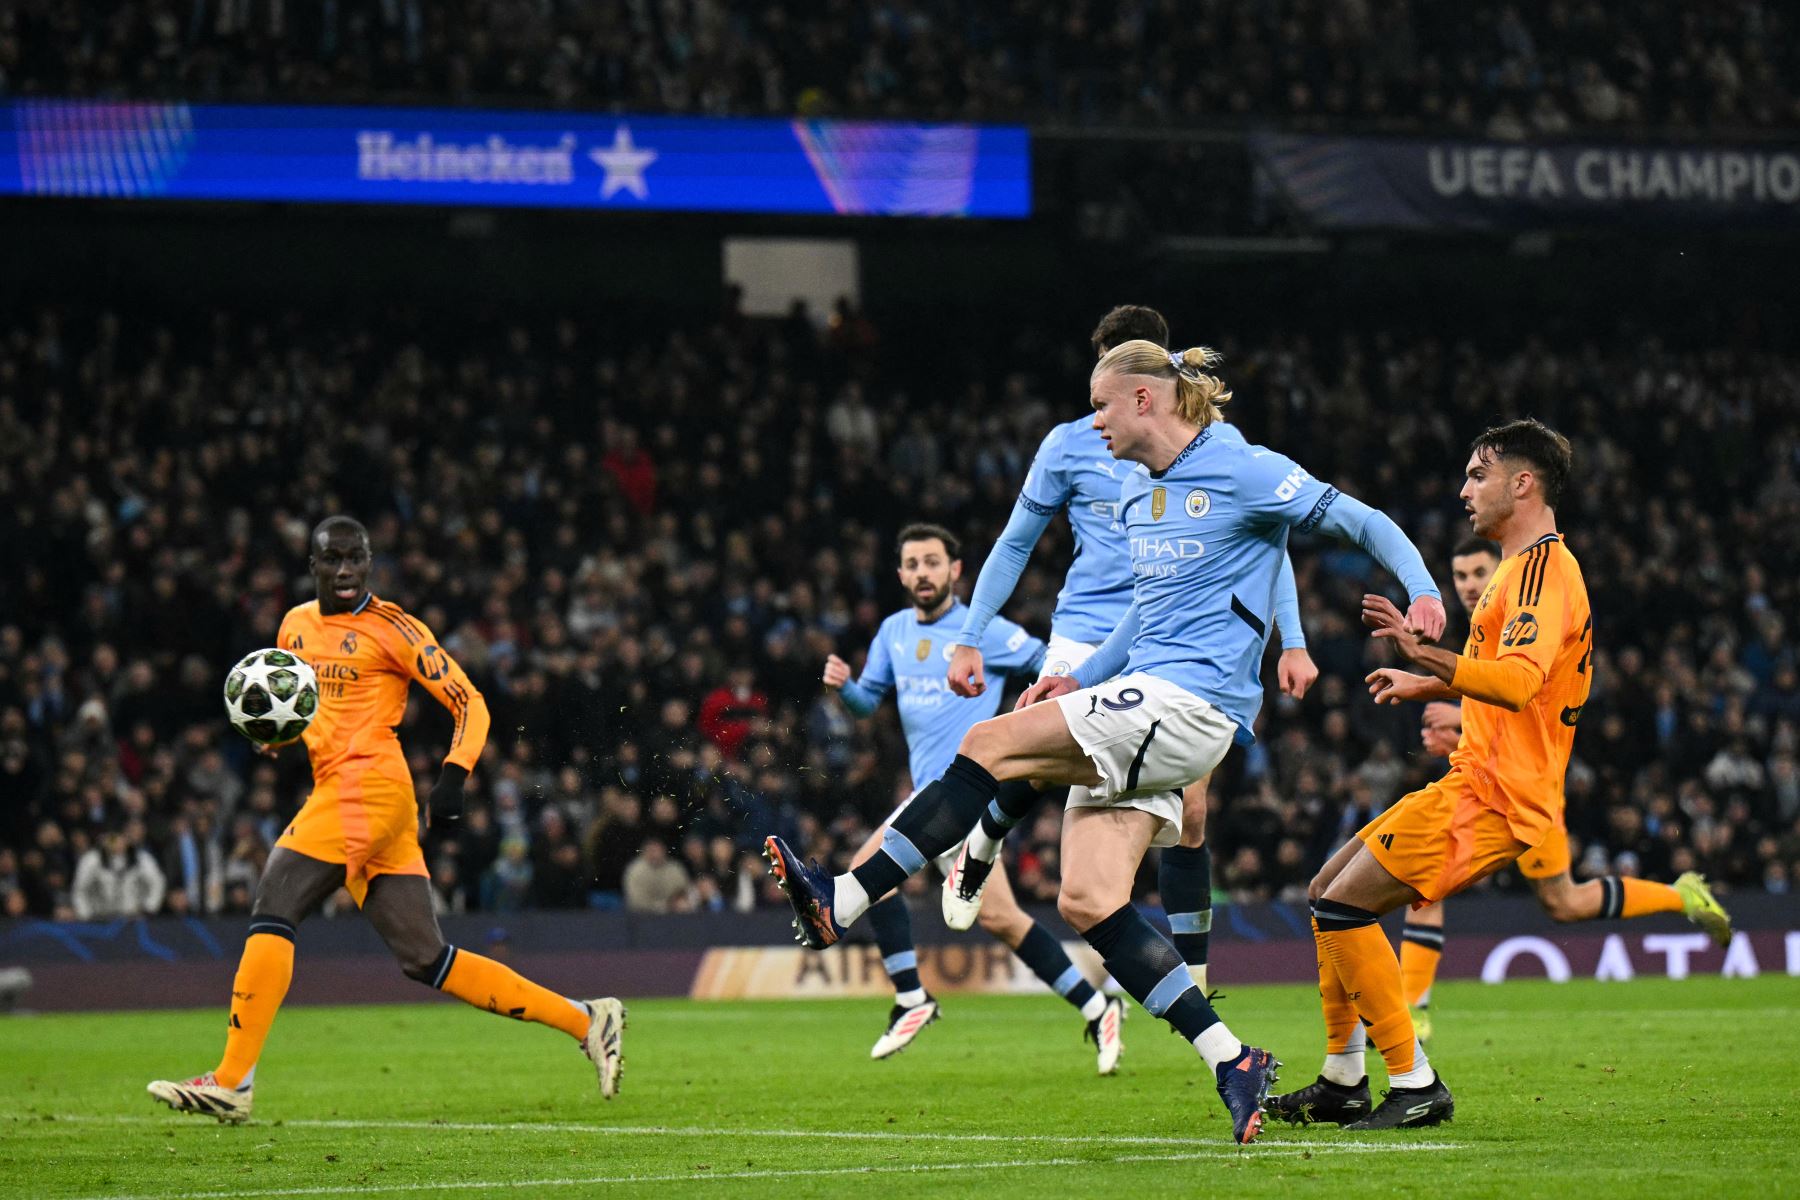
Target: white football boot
[[206, 1095], [604, 1044], [904, 1024], [1107, 1032], [964, 884]]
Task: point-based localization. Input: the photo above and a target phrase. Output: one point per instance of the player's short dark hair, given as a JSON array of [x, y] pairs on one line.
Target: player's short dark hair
[[1476, 545], [1536, 443], [330, 525], [1127, 323], [921, 531]]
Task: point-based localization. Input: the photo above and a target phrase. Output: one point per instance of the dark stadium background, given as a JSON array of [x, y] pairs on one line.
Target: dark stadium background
[[607, 488]]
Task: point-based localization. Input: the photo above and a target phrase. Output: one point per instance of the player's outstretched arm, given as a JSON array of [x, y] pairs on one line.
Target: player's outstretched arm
[[1046, 490], [1392, 686], [1348, 518], [1005, 563], [1508, 683], [863, 696], [1276, 488]]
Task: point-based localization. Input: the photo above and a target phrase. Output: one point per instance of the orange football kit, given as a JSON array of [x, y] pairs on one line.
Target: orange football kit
[[1530, 650], [1523, 675], [363, 811]]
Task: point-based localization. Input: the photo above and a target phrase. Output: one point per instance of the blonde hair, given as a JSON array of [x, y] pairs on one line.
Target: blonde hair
[[1197, 394]]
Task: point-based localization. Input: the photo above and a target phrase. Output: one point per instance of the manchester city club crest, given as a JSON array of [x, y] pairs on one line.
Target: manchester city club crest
[[1159, 502], [1198, 504]]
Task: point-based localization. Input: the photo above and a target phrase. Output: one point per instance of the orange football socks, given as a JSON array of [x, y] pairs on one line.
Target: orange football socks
[[498, 988], [1421, 947], [263, 975], [1352, 941], [1642, 898]]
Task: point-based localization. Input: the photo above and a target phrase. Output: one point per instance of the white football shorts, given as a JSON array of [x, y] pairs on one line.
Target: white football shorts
[[1148, 739]]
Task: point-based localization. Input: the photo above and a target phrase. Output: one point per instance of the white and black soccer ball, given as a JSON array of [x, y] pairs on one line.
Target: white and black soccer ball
[[271, 696]]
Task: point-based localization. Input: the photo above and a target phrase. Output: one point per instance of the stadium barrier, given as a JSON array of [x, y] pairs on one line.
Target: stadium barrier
[[173, 962]]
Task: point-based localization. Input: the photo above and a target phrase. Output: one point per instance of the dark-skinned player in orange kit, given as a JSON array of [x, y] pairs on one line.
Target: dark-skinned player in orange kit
[[360, 830]]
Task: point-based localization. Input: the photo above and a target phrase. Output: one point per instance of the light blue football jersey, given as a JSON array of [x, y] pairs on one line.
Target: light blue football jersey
[[1207, 539], [1074, 470], [912, 657]]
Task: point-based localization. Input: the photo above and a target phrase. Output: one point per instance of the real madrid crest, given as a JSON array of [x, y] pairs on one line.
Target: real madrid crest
[[1159, 501], [924, 650], [1198, 504]]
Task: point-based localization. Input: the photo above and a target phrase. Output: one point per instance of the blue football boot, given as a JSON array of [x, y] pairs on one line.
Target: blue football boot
[[1244, 1085], [810, 890]]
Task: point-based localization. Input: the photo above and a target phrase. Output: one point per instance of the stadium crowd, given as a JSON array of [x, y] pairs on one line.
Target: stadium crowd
[[643, 552], [1497, 68]]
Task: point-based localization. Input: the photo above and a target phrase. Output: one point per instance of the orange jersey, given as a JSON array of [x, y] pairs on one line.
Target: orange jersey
[[1530, 643], [366, 661]]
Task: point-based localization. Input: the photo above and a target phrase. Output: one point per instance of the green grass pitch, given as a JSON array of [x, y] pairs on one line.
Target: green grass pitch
[[1582, 1089]]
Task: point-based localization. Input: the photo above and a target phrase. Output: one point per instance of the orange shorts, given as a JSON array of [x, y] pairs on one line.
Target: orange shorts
[[1549, 858], [1440, 839], [369, 823]]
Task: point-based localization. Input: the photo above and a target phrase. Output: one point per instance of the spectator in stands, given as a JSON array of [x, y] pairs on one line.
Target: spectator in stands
[[656, 883], [1419, 67], [116, 879]]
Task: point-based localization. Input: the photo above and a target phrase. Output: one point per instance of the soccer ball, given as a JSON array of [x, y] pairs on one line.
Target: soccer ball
[[271, 696]]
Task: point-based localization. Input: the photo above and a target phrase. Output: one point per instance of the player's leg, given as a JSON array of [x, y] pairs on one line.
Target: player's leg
[[1421, 948], [913, 1008], [1346, 919], [1038, 949], [967, 875], [1431, 844], [1015, 800], [1184, 879], [1546, 867], [292, 885], [1341, 1093], [1101, 851], [1031, 743], [399, 907], [1345, 923], [1012, 803]]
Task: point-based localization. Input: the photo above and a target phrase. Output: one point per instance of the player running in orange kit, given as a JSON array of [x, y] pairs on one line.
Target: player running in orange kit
[[1546, 867], [1523, 679], [360, 830]]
